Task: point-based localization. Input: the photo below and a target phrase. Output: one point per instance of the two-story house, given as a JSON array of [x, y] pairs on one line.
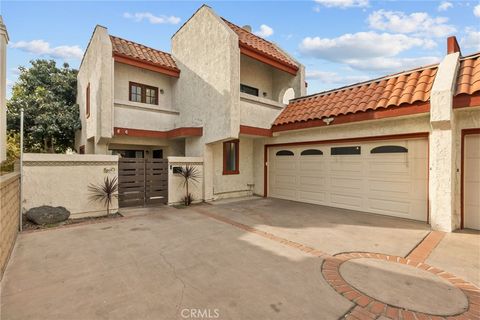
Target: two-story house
[[214, 96], [404, 145]]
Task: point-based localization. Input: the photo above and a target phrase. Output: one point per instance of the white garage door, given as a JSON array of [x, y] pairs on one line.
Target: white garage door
[[388, 177], [472, 182]]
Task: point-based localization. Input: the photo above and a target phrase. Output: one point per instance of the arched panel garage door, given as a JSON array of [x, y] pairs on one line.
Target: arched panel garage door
[[383, 177]]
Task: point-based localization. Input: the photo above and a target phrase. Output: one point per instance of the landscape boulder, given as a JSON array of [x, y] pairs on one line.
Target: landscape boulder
[[47, 215]]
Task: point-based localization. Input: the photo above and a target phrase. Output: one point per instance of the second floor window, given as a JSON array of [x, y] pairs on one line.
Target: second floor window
[[248, 90], [143, 93]]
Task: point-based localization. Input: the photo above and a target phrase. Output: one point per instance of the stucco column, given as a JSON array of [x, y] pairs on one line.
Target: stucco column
[[3, 89], [442, 147]]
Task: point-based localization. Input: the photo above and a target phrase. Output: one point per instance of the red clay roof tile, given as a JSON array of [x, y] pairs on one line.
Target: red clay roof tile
[[391, 91], [260, 45], [142, 53], [468, 76]]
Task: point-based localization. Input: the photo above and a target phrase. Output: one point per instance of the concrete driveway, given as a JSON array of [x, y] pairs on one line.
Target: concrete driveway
[[254, 259]]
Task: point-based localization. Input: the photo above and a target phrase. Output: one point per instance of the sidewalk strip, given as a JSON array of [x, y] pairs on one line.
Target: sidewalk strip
[[286, 242], [421, 252]]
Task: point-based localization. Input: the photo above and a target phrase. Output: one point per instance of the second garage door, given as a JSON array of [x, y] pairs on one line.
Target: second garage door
[[388, 177]]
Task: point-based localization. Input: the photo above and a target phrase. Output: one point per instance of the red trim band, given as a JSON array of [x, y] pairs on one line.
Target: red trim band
[[260, 56], [174, 133], [255, 131]]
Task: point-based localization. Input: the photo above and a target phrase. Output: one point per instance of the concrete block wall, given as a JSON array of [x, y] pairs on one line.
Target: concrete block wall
[[9, 216]]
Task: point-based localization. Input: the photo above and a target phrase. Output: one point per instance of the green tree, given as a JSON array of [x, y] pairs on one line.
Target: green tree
[[13, 152], [47, 94]]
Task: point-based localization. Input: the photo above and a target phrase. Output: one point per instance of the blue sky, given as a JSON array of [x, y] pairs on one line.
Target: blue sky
[[339, 41]]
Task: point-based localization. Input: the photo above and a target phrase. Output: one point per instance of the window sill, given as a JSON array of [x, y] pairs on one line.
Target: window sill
[[143, 106], [226, 173]]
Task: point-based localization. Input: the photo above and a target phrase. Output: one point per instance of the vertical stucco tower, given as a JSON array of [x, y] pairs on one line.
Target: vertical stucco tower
[[3, 88]]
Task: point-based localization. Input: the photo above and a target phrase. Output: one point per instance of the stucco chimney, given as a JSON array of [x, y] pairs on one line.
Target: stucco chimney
[[3, 89], [247, 27], [452, 45]]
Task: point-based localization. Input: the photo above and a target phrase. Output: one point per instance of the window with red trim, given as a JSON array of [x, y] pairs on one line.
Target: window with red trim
[[230, 157], [87, 101]]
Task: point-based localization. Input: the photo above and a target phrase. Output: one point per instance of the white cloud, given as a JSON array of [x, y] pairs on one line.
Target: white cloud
[[419, 23], [360, 45], [343, 3], [391, 64], [471, 40], [444, 6], [368, 50], [476, 10], [150, 17], [41, 47], [264, 32], [334, 78]]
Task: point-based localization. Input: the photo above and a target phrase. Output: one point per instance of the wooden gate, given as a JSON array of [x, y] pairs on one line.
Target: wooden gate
[[142, 182]]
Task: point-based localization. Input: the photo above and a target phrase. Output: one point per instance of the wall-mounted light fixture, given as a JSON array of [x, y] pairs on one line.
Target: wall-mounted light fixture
[[328, 120], [264, 94], [162, 91]]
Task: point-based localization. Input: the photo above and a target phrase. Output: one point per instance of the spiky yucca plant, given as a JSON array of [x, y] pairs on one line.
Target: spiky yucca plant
[[190, 174], [105, 192]]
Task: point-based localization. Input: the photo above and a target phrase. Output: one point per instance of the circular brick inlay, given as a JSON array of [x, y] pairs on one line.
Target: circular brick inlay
[[403, 286], [376, 303]]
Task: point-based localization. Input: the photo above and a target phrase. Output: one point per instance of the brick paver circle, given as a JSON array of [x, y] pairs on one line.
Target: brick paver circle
[[373, 305]]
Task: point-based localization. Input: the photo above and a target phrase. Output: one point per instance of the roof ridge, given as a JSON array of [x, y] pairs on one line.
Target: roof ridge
[[362, 83], [253, 34], [470, 56], [140, 44]]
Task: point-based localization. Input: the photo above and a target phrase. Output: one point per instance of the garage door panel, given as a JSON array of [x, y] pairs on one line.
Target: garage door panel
[[396, 207], [378, 168], [285, 181], [472, 167], [284, 193], [472, 196], [346, 183], [346, 201], [306, 182], [472, 220], [313, 197], [342, 166], [286, 165], [314, 166], [385, 183], [395, 187]]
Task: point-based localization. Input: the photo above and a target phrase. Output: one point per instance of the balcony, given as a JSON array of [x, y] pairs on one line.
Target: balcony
[[257, 111]]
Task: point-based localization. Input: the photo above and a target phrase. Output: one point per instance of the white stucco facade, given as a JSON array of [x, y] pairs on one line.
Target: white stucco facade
[[207, 95]]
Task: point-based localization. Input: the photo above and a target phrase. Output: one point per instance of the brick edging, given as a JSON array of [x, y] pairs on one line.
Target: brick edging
[[370, 308]]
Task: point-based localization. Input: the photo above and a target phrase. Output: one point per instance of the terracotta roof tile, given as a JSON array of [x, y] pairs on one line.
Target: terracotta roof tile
[[142, 53], [261, 45], [391, 91], [468, 77]]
